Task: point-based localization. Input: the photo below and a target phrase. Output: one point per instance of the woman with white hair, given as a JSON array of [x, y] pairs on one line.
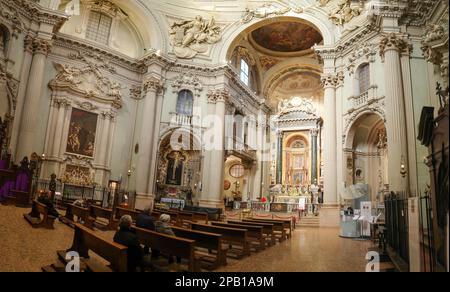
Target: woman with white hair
[[162, 226]]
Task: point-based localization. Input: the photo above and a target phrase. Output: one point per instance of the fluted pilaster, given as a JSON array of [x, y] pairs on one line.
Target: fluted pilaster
[[329, 82], [390, 47]]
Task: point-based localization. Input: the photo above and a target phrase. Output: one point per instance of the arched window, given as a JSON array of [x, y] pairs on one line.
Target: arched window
[[185, 103], [245, 72], [364, 78], [99, 27]]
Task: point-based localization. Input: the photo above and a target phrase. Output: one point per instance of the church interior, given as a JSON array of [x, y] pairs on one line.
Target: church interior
[[226, 136]]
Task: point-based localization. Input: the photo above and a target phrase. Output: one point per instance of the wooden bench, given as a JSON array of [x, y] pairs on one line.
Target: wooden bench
[[34, 217], [254, 233], [123, 211], [212, 242], [232, 236], [99, 212], [268, 230], [278, 227], [171, 245], [85, 240], [184, 219], [82, 214], [288, 225]]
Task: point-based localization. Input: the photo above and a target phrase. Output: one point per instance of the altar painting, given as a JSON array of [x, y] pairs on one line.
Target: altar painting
[[82, 131]]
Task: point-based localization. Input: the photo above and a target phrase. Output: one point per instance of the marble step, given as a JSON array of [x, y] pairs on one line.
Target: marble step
[[309, 221]]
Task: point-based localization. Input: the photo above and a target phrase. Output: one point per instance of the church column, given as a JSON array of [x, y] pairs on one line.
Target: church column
[[410, 120], [30, 118], [280, 157], [217, 159], [339, 133], [314, 133], [156, 141], [57, 135], [390, 47], [151, 87], [25, 73], [206, 163], [329, 136]]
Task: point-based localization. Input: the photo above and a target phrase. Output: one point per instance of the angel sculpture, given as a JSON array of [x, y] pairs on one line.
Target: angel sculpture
[[67, 73], [191, 37]]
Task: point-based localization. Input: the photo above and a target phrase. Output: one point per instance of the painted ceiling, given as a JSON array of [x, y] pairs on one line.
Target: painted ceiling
[[286, 37]]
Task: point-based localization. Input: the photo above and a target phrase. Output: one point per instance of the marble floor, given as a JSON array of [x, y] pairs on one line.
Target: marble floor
[[25, 249]]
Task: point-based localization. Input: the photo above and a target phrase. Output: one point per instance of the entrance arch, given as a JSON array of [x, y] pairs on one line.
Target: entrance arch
[[365, 154]]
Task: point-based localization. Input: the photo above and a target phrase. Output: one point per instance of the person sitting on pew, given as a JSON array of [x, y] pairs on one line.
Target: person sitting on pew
[[83, 203], [145, 220], [44, 198], [162, 226], [126, 237]]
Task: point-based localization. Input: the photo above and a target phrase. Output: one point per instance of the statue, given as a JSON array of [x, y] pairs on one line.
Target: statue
[[191, 37], [267, 10], [67, 73], [344, 12]]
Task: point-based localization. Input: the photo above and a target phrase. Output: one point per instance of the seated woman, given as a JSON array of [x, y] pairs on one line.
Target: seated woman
[[44, 198], [163, 226]]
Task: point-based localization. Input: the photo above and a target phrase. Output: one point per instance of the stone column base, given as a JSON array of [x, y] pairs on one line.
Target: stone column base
[[211, 203], [143, 201], [330, 215]]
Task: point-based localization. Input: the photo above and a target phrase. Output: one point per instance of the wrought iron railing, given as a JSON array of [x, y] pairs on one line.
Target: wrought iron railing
[[426, 235], [396, 206]]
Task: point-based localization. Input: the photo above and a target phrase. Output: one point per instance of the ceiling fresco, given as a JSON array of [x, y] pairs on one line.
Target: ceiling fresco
[[287, 37]]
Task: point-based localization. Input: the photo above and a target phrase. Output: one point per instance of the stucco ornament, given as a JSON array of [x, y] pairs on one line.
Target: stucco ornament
[[191, 37], [267, 10]]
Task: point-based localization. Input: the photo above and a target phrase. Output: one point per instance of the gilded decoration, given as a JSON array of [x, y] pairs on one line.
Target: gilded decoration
[[77, 175]]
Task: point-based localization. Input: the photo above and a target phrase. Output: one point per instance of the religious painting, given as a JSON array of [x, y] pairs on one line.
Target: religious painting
[[175, 167], [82, 130], [287, 37]]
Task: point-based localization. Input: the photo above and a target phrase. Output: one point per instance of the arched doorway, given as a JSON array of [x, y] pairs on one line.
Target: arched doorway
[[365, 155]]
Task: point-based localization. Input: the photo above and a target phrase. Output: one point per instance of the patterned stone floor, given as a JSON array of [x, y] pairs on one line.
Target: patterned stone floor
[[25, 249]]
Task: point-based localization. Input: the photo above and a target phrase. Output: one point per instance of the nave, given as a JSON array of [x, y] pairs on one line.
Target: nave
[[27, 249]]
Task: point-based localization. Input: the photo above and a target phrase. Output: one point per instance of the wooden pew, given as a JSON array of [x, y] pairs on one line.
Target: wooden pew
[[99, 212], [184, 219], [86, 239], [175, 246], [254, 233], [206, 240], [123, 211], [268, 230], [82, 214], [232, 236], [278, 227], [287, 224], [34, 218]]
